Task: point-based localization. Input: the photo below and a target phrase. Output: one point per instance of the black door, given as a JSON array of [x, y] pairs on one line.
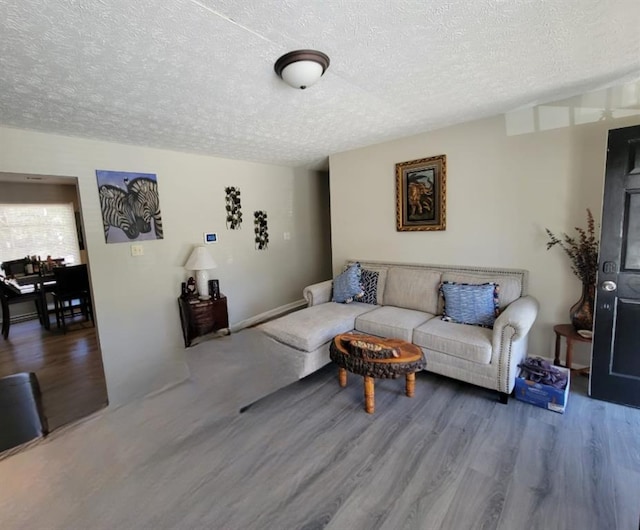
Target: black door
[[615, 363]]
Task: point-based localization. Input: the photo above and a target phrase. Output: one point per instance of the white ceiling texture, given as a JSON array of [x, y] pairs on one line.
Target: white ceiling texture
[[197, 75]]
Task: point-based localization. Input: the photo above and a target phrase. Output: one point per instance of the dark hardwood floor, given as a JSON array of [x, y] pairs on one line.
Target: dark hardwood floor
[[68, 367]]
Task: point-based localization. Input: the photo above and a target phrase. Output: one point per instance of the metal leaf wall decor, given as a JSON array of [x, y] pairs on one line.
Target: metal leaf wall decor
[[261, 229], [234, 212]]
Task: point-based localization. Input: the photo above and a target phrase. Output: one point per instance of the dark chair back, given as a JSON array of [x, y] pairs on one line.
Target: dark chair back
[[71, 291], [8, 296], [71, 280], [6, 292], [13, 267]]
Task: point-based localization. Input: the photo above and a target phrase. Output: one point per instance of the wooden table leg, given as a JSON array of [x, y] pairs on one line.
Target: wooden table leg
[[369, 396], [556, 359], [567, 362], [342, 376], [6, 317], [43, 307], [411, 384]]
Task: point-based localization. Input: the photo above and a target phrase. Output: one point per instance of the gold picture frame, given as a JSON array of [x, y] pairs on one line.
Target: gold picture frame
[[421, 187]]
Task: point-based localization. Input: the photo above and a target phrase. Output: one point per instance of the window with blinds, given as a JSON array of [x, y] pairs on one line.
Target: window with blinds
[[38, 230]]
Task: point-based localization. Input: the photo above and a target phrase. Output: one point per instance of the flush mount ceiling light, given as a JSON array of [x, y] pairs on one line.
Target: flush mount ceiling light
[[301, 68]]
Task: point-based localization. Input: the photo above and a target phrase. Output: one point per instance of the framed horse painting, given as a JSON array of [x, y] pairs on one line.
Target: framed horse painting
[[421, 187]]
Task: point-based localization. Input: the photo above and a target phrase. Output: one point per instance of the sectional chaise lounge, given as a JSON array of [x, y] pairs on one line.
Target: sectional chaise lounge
[[406, 302]]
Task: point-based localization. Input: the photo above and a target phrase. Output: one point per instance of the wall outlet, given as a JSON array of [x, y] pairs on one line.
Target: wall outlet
[[287, 236], [137, 250]]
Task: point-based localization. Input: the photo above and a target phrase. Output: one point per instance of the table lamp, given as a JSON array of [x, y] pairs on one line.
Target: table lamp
[[200, 261]]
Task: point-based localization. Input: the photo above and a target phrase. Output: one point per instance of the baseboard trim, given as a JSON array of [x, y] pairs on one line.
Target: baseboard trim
[[268, 315], [23, 317]]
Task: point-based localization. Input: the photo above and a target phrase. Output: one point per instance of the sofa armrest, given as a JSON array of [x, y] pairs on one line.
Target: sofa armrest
[[510, 334], [318, 293], [520, 315]]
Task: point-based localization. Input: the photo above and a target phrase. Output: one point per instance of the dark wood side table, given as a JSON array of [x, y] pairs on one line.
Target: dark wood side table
[[570, 335], [201, 317]]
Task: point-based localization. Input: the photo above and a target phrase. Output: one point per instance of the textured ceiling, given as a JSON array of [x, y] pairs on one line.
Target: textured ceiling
[[197, 75]]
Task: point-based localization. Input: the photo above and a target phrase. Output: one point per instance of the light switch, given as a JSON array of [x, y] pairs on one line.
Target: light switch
[[137, 250]]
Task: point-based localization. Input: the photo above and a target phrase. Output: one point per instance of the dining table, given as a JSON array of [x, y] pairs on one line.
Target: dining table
[[19, 287]]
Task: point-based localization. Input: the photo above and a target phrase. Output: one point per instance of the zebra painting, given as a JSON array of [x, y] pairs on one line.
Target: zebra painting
[[116, 211], [130, 202], [145, 204]]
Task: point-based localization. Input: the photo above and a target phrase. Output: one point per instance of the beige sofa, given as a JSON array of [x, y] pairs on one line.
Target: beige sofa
[[408, 307]]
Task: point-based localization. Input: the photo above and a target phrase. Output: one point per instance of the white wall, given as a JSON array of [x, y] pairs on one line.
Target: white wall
[[22, 193], [502, 191], [136, 298]]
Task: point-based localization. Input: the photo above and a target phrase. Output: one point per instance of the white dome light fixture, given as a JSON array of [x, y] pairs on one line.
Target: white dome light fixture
[[301, 68]]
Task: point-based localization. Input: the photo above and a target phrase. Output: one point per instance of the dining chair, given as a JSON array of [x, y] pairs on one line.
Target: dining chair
[[71, 292], [13, 267], [8, 298]]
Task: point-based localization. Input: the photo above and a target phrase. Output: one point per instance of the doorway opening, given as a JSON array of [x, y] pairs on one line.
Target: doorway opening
[[67, 362]]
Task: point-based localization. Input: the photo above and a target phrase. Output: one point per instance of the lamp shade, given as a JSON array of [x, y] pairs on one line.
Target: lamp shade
[[301, 68], [200, 260]]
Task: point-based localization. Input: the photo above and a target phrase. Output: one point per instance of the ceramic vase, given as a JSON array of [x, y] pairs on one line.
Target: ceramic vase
[[581, 313]]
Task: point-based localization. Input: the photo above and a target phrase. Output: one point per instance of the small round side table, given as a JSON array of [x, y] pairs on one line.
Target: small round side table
[[394, 358], [570, 335]]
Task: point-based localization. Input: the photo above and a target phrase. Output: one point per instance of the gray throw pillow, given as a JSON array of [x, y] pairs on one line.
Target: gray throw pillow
[[475, 304], [346, 286]]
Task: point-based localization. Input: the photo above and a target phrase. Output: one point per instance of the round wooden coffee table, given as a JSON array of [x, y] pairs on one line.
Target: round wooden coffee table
[[373, 357]]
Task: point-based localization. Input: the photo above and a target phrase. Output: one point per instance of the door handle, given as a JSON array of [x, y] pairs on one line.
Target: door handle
[[609, 286]]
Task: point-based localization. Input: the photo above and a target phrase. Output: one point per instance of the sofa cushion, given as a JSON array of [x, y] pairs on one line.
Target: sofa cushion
[[311, 327], [472, 343], [346, 286], [369, 281], [413, 289], [392, 322], [510, 288], [466, 303]]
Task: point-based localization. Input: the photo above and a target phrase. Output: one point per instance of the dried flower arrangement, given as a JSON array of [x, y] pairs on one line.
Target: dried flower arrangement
[[582, 250]]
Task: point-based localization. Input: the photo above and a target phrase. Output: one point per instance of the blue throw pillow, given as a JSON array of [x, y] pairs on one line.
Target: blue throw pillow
[[346, 286], [369, 282], [466, 303]]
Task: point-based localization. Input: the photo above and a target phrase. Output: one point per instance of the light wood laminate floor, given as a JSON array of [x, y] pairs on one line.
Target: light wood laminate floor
[[308, 456]]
